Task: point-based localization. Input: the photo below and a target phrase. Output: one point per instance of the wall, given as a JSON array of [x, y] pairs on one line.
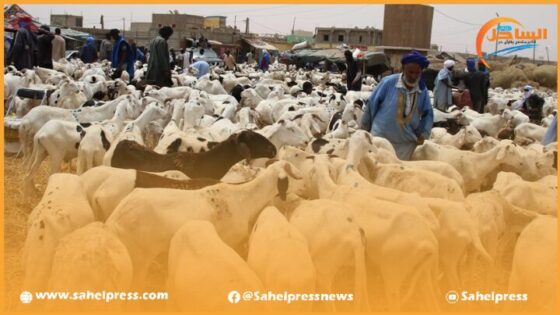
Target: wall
[[214, 22], [66, 20], [140, 26], [181, 21], [407, 25], [370, 37]]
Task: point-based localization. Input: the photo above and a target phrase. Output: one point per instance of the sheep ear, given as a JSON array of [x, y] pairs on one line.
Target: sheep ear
[[105, 141], [282, 185], [370, 166], [174, 146], [502, 153]]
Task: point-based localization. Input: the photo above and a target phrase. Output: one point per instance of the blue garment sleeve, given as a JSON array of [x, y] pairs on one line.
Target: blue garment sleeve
[[427, 116], [550, 134], [372, 105]]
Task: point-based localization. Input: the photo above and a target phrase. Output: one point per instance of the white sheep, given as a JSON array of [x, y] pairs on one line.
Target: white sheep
[[475, 167], [90, 259], [279, 255], [534, 268], [203, 270], [538, 196], [63, 209], [133, 130], [229, 207], [97, 139], [335, 241], [530, 131]]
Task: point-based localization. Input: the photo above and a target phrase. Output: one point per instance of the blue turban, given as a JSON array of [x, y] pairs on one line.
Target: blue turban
[[417, 58], [89, 40], [471, 65]]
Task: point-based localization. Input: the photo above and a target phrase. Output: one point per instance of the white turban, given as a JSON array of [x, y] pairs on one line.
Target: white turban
[[449, 63]]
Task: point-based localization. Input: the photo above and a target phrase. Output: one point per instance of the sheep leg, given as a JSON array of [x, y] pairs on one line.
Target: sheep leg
[[56, 163], [324, 285], [38, 155]]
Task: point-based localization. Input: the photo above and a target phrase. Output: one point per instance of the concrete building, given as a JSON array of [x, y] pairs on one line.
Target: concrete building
[[407, 25], [140, 26], [178, 21], [363, 38], [67, 20], [211, 22]]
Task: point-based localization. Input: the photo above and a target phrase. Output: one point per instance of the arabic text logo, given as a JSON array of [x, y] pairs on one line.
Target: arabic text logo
[[515, 39]]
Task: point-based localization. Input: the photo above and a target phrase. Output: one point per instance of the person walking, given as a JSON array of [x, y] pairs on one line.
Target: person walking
[[105, 48], [159, 68], [24, 48], [44, 47], [353, 73], [122, 58], [58, 46]]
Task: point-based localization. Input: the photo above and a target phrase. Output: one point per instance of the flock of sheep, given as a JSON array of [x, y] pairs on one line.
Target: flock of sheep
[[241, 181]]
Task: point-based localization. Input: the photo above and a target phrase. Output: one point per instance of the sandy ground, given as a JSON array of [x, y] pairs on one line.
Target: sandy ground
[[15, 218]]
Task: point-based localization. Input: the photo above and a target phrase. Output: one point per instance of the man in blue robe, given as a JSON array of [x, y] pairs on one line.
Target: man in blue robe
[[122, 58], [399, 109]]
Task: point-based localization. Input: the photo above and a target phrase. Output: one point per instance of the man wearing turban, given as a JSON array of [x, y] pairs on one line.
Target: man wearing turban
[[443, 96], [399, 109], [24, 50], [88, 52]]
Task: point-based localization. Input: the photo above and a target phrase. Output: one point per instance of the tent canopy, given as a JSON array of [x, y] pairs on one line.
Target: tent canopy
[[260, 44]]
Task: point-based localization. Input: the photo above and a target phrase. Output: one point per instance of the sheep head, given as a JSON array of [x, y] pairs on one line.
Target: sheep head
[[250, 144]]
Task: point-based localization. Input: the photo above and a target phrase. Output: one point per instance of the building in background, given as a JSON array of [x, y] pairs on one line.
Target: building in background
[[215, 21], [299, 36], [140, 26], [362, 38], [67, 20], [406, 27], [178, 21]]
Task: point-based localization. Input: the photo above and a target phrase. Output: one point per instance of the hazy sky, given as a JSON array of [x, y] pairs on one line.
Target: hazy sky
[[454, 26]]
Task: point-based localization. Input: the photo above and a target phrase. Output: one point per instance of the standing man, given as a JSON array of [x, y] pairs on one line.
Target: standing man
[[353, 73], [122, 58], [45, 47], [138, 54], [443, 97], [476, 83], [482, 68], [88, 52], [58, 46], [265, 61], [105, 48], [249, 57], [186, 59], [229, 61], [159, 69], [399, 109], [24, 48]]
